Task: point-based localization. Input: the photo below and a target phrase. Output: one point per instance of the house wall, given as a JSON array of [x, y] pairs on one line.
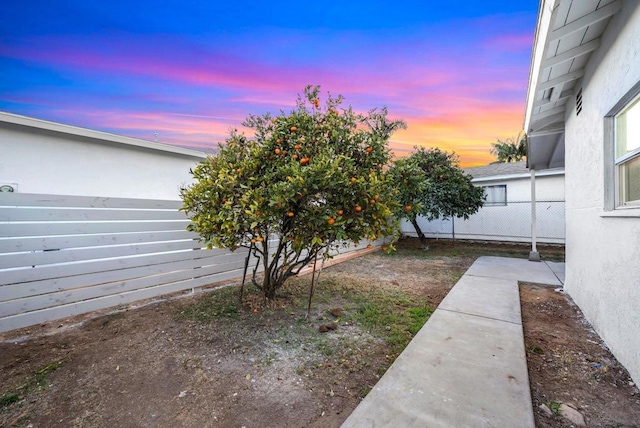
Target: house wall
[[47, 162], [603, 248], [548, 188], [509, 223]]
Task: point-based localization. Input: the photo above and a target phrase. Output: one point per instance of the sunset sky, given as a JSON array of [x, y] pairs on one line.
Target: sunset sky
[[455, 71]]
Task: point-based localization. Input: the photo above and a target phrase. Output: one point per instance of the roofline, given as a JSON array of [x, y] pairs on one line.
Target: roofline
[[545, 173], [537, 55], [61, 128]]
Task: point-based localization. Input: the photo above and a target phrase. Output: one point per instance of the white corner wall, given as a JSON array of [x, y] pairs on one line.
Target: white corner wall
[[603, 252], [45, 162]]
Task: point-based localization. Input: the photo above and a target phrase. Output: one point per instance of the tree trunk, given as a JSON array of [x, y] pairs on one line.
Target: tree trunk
[[269, 286], [423, 239]]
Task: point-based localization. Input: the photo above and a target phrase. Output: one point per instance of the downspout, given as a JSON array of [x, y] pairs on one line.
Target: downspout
[[534, 256]]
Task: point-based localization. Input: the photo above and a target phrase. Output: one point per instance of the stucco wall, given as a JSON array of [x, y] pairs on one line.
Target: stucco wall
[[548, 188], [41, 161], [509, 223], [603, 252]]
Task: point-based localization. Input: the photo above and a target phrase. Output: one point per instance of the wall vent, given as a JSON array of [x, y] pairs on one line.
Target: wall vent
[[579, 102]]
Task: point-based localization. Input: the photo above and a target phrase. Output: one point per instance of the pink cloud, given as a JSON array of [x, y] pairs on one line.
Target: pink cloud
[[510, 42]]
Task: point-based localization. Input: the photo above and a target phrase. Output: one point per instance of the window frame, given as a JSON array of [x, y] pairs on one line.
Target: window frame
[[496, 204], [626, 158], [612, 162]]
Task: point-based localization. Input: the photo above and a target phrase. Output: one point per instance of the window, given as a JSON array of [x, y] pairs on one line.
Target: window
[[496, 195], [627, 154]]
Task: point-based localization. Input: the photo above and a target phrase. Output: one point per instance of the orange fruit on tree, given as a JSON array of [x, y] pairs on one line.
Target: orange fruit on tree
[[372, 201], [304, 161], [253, 241], [384, 248], [295, 157], [278, 141], [408, 208], [340, 212], [369, 149], [353, 179], [297, 147], [331, 221], [277, 151], [293, 129], [239, 170], [290, 214], [369, 246], [260, 238], [376, 197], [358, 208], [258, 213]]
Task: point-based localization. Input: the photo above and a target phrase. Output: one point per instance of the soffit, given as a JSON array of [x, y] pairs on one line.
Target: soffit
[[568, 31]]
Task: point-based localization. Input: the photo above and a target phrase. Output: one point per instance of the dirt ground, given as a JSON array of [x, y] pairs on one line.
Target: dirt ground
[[203, 361], [569, 364]]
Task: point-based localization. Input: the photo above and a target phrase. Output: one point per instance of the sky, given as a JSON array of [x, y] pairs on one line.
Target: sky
[[185, 73]]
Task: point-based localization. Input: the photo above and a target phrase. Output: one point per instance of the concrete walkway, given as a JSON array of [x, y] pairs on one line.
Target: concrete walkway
[[467, 366]]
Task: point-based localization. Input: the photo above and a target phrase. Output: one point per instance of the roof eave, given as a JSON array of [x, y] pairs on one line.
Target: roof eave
[[99, 136]]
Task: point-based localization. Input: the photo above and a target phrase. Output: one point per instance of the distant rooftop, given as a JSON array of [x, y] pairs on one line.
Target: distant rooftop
[[95, 136], [498, 169], [505, 169]]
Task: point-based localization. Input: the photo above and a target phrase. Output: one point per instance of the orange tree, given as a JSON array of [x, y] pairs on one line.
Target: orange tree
[[430, 183], [306, 182]]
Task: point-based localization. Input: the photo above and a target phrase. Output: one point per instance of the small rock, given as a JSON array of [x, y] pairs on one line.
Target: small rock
[[323, 329], [546, 410], [336, 312], [572, 415]]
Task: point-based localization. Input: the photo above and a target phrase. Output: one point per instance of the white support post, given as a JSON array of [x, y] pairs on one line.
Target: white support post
[[534, 256]]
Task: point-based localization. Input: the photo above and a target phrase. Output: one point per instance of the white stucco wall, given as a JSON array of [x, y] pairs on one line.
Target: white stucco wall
[[603, 252], [512, 222], [42, 161], [548, 187]]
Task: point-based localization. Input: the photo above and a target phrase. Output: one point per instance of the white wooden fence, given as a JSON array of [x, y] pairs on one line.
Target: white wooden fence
[[67, 255]]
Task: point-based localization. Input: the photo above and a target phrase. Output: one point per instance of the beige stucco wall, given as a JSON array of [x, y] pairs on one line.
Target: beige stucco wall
[[603, 252], [42, 161]]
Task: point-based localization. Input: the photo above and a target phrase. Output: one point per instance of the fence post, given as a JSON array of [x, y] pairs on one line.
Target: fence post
[[534, 256], [453, 228]]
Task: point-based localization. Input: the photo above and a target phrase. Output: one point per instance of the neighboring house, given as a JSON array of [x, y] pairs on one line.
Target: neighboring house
[[583, 112], [506, 214], [51, 158]]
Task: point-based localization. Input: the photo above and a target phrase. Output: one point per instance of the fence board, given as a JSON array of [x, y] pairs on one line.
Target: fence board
[[80, 228], [103, 266], [41, 243], [39, 200], [51, 285], [48, 257], [21, 214], [41, 301], [30, 318]]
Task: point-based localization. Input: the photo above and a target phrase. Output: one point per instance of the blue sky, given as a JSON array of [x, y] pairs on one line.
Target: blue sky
[[456, 72]]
